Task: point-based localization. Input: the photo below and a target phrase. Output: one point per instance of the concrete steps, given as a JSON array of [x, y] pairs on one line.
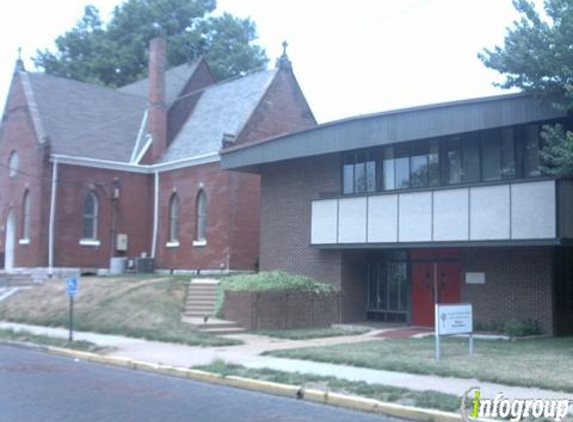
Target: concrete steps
[[201, 298], [214, 326], [200, 304]]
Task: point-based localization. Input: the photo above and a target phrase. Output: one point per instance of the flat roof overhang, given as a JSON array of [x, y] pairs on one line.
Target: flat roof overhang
[[395, 126], [448, 244]]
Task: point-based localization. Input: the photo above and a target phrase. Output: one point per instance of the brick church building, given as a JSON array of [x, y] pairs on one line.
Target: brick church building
[[89, 173]]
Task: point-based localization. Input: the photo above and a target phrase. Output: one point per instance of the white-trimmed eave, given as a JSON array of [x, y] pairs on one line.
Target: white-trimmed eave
[[137, 168], [33, 107], [143, 151], [136, 154]]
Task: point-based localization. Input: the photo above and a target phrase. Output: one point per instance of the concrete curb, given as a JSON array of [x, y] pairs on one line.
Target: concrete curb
[[285, 390]]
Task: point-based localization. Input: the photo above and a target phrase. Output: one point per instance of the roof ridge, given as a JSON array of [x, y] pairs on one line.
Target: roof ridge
[[194, 63], [87, 84], [222, 82]]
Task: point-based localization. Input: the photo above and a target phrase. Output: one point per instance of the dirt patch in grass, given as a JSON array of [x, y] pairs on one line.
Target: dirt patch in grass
[[312, 333], [543, 363], [142, 308], [425, 399]]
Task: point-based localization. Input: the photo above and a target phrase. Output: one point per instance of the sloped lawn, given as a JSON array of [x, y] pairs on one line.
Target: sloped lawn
[[148, 308]]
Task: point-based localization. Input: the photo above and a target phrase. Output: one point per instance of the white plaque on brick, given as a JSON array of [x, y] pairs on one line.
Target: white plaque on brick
[[475, 278]]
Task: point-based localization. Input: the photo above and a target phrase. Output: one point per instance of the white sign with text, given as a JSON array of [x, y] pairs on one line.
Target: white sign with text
[[454, 319]]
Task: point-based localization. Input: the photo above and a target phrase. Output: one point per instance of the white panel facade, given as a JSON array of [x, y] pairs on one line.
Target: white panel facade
[[415, 217], [521, 211], [383, 218], [324, 222], [451, 215], [489, 213], [533, 210], [352, 220]]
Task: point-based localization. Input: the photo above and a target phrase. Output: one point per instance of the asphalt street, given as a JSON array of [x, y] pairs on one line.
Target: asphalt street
[[39, 387]]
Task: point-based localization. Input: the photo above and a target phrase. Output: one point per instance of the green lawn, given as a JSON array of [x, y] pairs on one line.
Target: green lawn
[[48, 341], [425, 399], [312, 333], [147, 308], [544, 363]]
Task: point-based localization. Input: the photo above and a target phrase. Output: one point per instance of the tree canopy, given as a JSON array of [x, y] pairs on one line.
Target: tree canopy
[[537, 56], [115, 54]]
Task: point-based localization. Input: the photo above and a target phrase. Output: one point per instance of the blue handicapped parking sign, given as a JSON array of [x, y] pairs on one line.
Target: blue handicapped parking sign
[[71, 287]]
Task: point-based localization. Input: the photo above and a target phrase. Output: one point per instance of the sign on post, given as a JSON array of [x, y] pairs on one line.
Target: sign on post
[[71, 291], [453, 319], [71, 287]]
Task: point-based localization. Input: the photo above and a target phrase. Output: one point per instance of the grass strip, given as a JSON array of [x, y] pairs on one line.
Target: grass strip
[[425, 399], [313, 333], [541, 363], [26, 336]]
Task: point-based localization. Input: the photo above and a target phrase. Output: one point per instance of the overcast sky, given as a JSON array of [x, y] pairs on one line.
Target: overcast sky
[[350, 57]]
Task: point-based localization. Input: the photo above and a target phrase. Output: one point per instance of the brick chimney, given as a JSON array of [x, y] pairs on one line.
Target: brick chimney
[[157, 114]]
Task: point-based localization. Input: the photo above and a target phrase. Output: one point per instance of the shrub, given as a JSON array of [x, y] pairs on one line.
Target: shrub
[[528, 327], [271, 280], [522, 328]]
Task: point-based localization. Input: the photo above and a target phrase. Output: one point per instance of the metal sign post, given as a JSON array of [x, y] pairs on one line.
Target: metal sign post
[[454, 319], [71, 290], [436, 311]]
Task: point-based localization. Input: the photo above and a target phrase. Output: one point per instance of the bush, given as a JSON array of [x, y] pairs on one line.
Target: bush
[[528, 327], [272, 280], [514, 328]]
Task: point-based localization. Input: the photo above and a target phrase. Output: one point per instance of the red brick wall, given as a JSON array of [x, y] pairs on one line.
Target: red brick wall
[[286, 194], [244, 196], [283, 109], [134, 215], [274, 310], [187, 184], [519, 285], [18, 134]]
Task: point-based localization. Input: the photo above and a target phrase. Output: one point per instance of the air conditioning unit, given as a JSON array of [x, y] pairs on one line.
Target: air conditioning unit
[[144, 265], [121, 243]]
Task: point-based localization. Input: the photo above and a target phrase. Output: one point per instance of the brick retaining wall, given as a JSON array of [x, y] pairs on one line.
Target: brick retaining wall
[[272, 310]]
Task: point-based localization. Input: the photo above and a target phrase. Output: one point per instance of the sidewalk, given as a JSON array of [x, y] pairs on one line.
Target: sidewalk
[[249, 356]]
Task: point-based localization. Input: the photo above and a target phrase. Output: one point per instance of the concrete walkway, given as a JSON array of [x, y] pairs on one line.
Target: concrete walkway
[[249, 356]]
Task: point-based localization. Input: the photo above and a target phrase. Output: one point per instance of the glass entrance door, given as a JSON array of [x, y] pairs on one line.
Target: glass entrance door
[[388, 292]]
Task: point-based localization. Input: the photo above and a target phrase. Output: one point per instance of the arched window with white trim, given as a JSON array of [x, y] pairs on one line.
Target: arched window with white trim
[[174, 219], [13, 164], [201, 212], [90, 213], [26, 215]]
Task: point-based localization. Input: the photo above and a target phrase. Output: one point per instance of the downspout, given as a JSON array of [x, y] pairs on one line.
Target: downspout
[[155, 215], [52, 217]]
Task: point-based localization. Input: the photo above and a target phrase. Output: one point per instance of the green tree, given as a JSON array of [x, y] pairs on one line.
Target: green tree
[[116, 54], [537, 57]]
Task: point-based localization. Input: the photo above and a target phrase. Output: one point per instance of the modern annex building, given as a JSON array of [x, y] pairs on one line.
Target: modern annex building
[[384, 205], [89, 173]]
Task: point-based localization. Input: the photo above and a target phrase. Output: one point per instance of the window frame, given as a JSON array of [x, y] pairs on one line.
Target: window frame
[[174, 220], [465, 148], [26, 216], [93, 216], [200, 219], [13, 164]]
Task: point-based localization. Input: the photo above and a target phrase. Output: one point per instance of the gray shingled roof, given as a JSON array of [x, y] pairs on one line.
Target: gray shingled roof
[[86, 120], [175, 80], [222, 109]]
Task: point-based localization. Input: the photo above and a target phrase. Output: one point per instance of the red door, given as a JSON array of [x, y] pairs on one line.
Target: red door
[[448, 287]]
